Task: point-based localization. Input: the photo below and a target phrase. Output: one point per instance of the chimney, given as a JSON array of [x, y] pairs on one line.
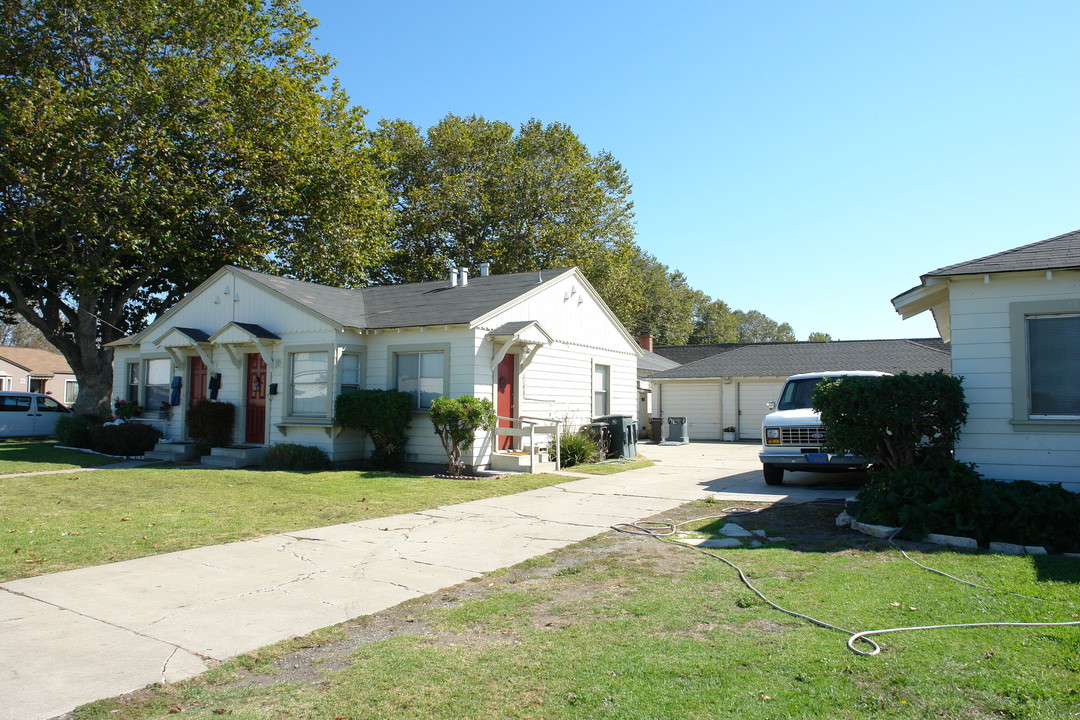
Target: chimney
[[453, 277], [464, 274], [645, 341], [485, 269]]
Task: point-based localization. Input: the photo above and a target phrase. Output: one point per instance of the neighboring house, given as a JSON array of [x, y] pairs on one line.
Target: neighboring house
[[733, 385], [649, 364], [537, 344], [40, 371], [1013, 319]]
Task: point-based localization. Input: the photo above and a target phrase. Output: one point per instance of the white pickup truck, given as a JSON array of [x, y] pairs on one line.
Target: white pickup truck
[[791, 437]]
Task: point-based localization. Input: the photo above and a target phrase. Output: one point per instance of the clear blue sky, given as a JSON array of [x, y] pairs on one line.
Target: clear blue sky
[[807, 159]]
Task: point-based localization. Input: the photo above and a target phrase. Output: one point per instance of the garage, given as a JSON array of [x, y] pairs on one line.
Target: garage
[[753, 406], [731, 386]]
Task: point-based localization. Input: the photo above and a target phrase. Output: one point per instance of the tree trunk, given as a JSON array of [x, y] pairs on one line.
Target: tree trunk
[[95, 376]]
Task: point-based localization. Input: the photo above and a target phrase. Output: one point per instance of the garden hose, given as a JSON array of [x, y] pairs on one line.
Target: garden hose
[[661, 531]]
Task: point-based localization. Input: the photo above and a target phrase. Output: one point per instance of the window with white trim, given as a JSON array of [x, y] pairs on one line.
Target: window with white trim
[[71, 391], [307, 384], [158, 377], [601, 390], [422, 374], [349, 372], [132, 377], [1053, 361]]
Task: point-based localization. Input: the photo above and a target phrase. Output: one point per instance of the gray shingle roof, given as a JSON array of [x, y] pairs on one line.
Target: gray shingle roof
[[684, 354], [651, 362], [412, 305], [1056, 253], [784, 359]]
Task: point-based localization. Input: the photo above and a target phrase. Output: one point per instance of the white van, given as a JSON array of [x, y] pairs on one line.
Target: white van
[[792, 436], [24, 414]]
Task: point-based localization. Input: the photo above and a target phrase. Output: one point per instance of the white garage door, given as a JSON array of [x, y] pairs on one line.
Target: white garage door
[[698, 402], [753, 397]]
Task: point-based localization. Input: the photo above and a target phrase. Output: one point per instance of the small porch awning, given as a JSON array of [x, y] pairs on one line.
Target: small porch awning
[[235, 334], [176, 339], [526, 333]]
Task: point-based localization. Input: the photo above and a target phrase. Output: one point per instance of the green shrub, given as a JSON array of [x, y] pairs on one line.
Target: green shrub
[[211, 424], [577, 448], [126, 409], [126, 439], [384, 415], [897, 420], [951, 498], [293, 456], [74, 430], [456, 421]]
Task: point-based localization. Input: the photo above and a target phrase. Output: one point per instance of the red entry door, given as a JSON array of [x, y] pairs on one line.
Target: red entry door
[[198, 379], [255, 401], [504, 399]]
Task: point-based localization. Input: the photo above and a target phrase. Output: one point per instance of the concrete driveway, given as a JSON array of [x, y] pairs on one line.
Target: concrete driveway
[[73, 637]]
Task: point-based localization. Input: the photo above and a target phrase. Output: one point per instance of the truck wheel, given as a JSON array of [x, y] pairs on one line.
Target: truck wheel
[[774, 474]]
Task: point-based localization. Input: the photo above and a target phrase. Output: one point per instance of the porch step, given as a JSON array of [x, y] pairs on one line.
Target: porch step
[[174, 452], [237, 456], [517, 462]]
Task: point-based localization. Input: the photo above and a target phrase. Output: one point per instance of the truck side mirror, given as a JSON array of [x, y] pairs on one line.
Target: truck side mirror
[[771, 405]]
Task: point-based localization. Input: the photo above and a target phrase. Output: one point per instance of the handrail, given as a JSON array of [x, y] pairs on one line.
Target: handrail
[[551, 427]]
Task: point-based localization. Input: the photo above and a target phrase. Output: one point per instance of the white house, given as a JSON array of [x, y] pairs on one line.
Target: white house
[[730, 384], [540, 345], [1013, 319]]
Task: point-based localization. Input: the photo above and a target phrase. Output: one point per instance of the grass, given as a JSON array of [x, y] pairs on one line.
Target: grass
[[24, 456], [626, 627], [63, 521], [610, 467]]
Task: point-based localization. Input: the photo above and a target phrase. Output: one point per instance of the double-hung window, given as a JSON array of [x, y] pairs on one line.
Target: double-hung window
[[132, 377], [1053, 361], [158, 377], [601, 390], [349, 372], [71, 391], [422, 374], [307, 385]]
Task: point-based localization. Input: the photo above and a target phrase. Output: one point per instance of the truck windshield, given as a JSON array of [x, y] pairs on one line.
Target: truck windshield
[[798, 394]]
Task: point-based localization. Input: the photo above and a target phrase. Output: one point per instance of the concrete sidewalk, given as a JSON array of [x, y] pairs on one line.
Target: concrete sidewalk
[[73, 637]]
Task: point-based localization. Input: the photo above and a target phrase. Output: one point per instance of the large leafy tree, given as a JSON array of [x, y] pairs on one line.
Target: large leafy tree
[[472, 190], [144, 143]]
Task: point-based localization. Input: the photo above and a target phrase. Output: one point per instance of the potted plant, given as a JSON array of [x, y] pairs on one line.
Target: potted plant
[[729, 433]]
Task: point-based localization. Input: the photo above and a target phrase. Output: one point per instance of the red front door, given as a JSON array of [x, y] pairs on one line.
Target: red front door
[[255, 401], [504, 399], [198, 380]]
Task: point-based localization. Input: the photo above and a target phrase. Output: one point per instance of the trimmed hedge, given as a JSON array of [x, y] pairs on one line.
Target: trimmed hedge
[[293, 456], [384, 415], [211, 424], [951, 498], [127, 439], [74, 430]]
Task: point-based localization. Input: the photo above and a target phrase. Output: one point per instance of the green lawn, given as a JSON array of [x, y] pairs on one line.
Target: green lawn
[[63, 521], [23, 456], [625, 627]]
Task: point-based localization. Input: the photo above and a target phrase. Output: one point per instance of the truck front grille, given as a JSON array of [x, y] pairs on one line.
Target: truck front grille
[[802, 436]]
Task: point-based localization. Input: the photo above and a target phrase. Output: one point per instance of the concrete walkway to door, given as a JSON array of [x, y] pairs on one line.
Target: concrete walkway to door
[[73, 637]]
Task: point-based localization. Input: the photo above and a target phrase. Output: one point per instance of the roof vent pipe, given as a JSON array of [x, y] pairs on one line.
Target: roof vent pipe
[[485, 269], [464, 272], [453, 277]]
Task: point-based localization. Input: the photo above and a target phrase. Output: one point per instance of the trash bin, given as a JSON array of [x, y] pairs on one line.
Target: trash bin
[[623, 434], [677, 431], [600, 432], [656, 429]]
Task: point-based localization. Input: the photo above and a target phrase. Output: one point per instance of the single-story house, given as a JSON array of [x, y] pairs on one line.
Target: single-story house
[[1013, 319], [542, 346], [732, 385], [40, 371]]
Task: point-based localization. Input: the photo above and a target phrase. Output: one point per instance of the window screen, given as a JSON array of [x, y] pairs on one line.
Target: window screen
[[1054, 365]]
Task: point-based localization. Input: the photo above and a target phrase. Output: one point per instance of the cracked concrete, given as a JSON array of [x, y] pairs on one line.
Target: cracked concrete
[[73, 637]]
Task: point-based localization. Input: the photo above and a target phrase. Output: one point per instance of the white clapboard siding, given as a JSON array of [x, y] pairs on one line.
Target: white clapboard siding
[[982, 354]]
